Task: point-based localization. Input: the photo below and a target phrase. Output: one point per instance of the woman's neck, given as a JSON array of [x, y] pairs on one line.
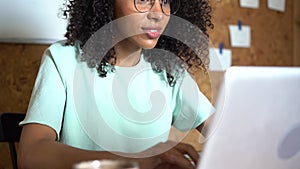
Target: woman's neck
[[127, 55]]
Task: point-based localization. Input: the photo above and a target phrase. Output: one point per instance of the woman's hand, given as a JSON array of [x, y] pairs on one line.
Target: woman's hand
[[172, 155]]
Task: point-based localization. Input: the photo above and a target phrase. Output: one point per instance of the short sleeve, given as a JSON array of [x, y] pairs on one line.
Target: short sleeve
[[48, 97], [191, 106]]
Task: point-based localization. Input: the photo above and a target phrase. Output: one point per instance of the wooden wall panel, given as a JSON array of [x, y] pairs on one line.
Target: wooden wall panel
[[272, 45]]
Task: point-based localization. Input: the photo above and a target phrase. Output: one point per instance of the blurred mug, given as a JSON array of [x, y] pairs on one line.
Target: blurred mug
[[106, 164]]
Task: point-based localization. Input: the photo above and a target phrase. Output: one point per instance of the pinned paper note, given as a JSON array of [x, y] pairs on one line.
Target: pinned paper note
[[249, 3], [240, 35], [278, 5], [219, 60]]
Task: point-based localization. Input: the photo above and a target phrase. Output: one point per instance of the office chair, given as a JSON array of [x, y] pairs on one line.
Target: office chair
[[10, 132]]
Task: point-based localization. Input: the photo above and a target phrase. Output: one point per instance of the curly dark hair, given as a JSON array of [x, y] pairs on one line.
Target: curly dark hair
[[87, 16]]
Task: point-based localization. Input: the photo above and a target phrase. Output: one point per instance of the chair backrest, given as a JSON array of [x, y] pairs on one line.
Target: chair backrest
[[10, 132]]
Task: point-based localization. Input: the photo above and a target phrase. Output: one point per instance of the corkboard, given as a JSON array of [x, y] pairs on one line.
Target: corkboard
[[19, 66], [272, 32], [296, 32], [272, 42], [272, 45]]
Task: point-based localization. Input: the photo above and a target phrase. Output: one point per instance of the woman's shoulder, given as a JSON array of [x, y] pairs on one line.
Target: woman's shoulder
[[60, 48], [64, 57], [60, 53]]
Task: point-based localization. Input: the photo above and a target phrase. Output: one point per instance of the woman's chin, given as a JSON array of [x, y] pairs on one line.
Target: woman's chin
[[142, 41], [149, 44]]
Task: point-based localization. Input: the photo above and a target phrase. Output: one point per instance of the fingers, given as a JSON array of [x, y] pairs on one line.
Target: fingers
[[189, 151], [181, 155], [178, 159]]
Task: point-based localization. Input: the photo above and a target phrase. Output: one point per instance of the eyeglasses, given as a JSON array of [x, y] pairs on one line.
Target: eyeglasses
[[167, 6]]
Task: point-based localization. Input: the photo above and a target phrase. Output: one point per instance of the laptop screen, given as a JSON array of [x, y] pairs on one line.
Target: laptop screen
[[257, 120]]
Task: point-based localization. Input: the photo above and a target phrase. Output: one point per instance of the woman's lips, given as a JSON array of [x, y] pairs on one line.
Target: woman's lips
[[152, 33]]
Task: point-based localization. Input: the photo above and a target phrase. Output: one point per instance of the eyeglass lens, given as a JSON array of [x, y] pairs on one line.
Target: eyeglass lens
[[167, 6]]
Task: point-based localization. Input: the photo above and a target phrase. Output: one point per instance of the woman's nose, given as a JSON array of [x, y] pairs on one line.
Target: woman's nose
[[156, 12]]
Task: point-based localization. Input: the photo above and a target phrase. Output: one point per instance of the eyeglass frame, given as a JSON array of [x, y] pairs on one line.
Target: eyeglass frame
[[161, 7]]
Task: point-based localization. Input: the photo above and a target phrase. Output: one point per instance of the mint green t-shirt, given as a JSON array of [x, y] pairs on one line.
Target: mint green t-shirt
[[130, 110]]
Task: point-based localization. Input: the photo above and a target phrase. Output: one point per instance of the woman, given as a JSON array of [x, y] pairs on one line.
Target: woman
[[72, 117]]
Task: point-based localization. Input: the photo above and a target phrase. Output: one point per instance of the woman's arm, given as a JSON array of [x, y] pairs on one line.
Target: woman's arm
[[204, 127], [39, 150]]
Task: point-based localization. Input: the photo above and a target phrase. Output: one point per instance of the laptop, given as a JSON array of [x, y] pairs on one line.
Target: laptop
[[257, 120]]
